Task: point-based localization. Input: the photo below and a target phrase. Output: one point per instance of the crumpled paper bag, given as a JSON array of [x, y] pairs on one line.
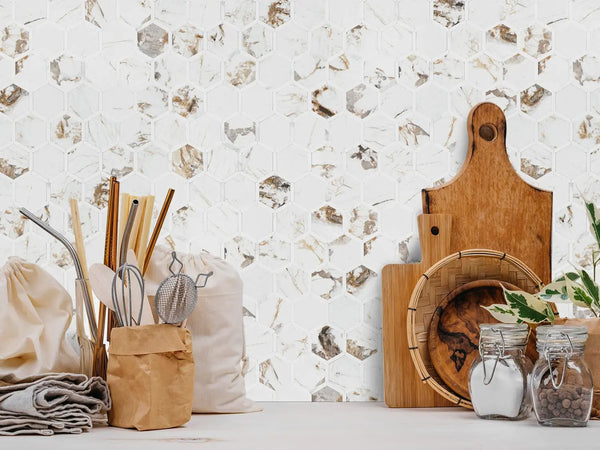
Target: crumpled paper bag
[[150, 376]]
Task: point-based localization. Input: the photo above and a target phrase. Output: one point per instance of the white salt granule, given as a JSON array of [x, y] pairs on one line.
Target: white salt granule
[[504, 394]]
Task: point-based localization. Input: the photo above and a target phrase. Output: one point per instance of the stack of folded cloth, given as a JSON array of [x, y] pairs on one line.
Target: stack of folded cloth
[[52, 403]]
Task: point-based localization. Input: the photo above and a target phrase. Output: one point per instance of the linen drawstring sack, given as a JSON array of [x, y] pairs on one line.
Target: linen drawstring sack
[[35, 313], [217, 329]]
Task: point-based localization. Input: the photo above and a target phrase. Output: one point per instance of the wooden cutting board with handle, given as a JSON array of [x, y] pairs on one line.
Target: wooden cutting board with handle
[[402, 384], [490, 206]]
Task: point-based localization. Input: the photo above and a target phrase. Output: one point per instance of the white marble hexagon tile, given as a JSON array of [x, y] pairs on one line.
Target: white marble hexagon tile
[[297, 135]]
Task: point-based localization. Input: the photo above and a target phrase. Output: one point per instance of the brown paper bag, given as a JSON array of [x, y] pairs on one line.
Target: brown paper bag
[[592, 355], [151, 377]]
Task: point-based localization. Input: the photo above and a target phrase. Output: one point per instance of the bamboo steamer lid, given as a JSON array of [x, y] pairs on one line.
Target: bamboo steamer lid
[[437, 282]]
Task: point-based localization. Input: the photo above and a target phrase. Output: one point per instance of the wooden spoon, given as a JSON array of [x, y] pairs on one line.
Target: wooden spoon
[[101, 278]]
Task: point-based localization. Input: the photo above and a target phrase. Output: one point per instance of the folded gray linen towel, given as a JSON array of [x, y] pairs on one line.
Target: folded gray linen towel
[[52, 403]]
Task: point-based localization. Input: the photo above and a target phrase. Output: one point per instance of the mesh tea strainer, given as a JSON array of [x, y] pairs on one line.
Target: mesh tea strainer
[[177, 295]]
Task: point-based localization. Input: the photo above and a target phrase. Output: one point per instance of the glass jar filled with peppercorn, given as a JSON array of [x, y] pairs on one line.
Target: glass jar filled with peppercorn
[[561, 381]]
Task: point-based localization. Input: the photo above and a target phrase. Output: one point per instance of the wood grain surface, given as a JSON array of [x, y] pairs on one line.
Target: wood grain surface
[[454, 330], [432, 289], [403, 386], [491, 205]]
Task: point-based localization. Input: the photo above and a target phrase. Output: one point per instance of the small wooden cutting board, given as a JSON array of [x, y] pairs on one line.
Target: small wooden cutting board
[[403, 386], [489, 206]]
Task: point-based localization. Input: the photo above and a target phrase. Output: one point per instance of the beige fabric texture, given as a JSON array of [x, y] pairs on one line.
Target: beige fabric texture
[[35, 313], [217, 331]]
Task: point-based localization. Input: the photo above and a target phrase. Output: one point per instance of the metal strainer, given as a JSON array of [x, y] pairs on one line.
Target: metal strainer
[[177, 295]]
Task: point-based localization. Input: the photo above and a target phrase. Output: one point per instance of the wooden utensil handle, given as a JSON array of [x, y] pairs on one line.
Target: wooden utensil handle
[[487, 126], [403, 386], [434, 234]]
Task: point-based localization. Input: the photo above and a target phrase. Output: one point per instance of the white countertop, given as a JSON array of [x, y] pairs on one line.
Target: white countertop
[[331, 426]]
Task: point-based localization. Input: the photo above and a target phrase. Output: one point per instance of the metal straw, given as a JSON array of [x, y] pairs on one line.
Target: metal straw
[[127, 232], [77, 263]]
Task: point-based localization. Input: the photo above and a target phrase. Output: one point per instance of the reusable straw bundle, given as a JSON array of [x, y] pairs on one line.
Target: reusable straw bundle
[[136, 217], [139, 241]]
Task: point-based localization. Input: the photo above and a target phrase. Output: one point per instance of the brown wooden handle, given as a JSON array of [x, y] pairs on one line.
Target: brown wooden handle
[[487, 127], [487, 144], [434, 232]]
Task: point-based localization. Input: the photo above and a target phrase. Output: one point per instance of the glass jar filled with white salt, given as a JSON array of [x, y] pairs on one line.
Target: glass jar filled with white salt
[[499, 376], [562, 385]]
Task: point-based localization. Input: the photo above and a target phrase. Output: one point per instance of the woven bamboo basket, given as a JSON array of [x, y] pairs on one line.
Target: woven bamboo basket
[[441, 279]]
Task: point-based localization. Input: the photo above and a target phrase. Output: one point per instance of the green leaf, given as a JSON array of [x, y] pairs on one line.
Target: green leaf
[[555, 292], [594, 222], [573, 276], [591, 288], [503, 313], [528, 307], [581, 298], [577, 294]]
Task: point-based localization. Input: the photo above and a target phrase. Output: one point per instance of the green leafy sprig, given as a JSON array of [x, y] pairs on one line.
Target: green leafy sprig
[[577, 287]]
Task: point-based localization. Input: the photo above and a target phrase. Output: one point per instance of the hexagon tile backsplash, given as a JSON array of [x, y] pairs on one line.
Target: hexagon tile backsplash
[[297, 135]]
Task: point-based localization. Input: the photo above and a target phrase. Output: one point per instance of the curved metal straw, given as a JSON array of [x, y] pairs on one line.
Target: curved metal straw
[[127, 232], [76, 262]]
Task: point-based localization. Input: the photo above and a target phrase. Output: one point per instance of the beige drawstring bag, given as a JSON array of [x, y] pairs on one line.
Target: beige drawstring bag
[[217, 329], [35, 313]]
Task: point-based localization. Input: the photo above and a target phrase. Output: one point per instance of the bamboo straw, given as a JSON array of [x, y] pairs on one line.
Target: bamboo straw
[[100, 358], [154, 239], [156, 232], [80, 248], [114, 248], [142, 242]]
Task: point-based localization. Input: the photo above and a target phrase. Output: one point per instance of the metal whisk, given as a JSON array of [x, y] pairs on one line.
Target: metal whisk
[[177, 295], [128, 280]]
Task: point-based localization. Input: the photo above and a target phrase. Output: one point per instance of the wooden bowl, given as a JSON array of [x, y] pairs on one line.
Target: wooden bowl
[[434, 286], [454, 330]]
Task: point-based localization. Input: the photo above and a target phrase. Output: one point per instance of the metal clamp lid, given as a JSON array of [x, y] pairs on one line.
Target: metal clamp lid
[[548, 354], [499, 354]]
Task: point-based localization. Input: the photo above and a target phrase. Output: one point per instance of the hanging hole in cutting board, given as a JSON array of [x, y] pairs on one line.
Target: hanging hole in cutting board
[[488, 132], [435, 231]]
